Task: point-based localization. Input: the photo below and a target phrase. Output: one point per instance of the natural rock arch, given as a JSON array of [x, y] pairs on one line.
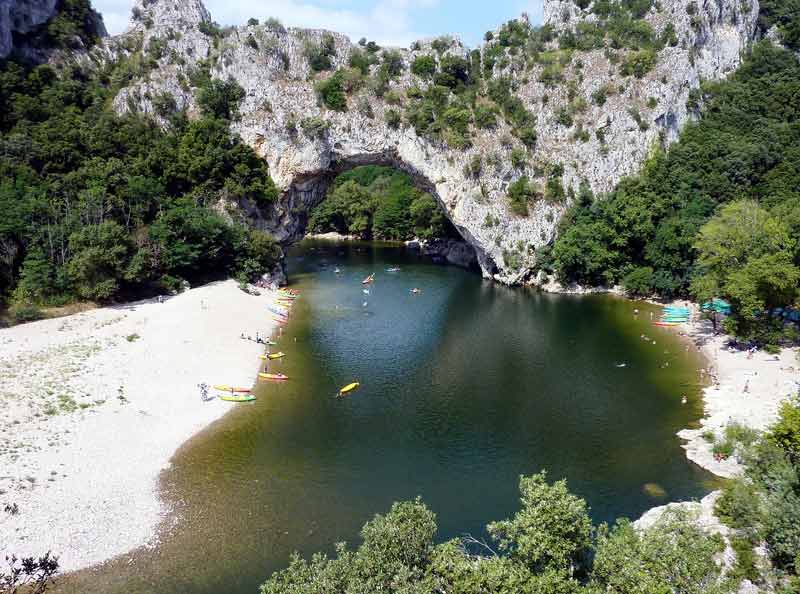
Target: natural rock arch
[[287, 220], [304, 143]]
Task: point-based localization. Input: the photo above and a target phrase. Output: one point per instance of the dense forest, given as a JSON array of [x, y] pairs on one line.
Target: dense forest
[[551, 546], [374, 202], [102, 207], [718, 214]]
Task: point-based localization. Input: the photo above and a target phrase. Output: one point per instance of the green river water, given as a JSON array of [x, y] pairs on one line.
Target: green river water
[[464, 387]]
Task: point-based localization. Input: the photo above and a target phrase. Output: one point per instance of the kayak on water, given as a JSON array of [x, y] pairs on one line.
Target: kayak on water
[[666, 324], [349, 388], [224, 388], [240, 398], [369, 279], [273, 376], [276, 355]]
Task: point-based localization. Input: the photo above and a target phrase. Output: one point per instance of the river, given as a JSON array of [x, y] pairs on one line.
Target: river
[[464, 387]]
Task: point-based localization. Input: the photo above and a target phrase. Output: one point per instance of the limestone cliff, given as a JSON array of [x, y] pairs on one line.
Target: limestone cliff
[[579, 137], [20, 18]]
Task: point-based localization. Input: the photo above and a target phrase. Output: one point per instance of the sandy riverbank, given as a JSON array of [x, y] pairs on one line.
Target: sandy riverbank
[[745, 389], [93, 406]]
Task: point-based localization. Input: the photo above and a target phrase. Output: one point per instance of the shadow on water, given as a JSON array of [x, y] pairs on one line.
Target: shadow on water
[[465, 386]]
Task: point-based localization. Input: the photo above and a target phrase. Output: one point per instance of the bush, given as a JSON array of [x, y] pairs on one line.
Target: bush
[[331, 91], [519, 158], [786, 432], [25, 313], [315, 127], [393, 118], [320, 55], [639, 282], [639, 63], [220, 99], [520, 193], [424, 66]]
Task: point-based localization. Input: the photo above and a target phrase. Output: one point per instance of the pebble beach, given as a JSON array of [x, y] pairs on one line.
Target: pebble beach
[[94, 405]]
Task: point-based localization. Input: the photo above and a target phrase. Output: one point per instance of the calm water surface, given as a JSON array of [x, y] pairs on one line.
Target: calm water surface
[[464, 387]]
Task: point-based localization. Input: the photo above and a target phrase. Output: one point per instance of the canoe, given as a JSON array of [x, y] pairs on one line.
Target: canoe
[[276, 355], [224, 388], [241, 398], [349, 388], [273, 376], [666, 324]]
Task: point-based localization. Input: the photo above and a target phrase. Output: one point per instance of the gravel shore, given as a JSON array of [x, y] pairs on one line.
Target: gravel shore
[[94, 405], [744, 388]]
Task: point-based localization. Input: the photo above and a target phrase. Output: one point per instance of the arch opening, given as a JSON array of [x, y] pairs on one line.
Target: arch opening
[[290, 218]]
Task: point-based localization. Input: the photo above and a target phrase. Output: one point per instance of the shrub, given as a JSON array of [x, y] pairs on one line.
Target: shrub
[[474, 166], [393, 118], [639, 63], [520, 193], [485, 116], [315, 127], [25, 313], [786, 432], [519, 158], [639, 282], [274, 25], [424, 66], [331, 92], [319, 55], [221, 99]]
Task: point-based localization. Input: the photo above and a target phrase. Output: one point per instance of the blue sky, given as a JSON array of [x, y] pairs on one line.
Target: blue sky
[[390, 22]]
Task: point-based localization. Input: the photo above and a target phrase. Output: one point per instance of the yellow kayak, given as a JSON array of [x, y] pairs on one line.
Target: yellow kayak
[[273, 376], [276, 355], [238, 398], [224, 388], [349, 388]]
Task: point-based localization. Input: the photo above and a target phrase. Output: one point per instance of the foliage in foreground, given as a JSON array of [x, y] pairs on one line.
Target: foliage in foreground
[[28, 575], [546, 548], [551, 547], [374, 202]]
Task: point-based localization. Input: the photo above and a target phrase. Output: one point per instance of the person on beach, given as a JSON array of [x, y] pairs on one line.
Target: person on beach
[[747, 386]]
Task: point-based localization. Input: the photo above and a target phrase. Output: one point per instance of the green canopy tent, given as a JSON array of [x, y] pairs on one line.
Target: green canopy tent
[[717, 305]]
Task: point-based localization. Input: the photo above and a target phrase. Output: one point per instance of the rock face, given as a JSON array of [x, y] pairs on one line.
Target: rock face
[[281, 115], [22, 16]]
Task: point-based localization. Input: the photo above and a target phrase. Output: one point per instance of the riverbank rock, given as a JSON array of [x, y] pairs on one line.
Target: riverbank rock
[[306, 145], [452, 251]]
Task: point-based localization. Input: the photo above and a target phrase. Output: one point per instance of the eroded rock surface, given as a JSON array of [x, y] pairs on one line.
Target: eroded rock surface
[[603, 143]]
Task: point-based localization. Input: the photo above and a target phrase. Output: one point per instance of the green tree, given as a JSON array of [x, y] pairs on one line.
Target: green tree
[[675, 555], [552, 531], [747, 255], [100, 255]]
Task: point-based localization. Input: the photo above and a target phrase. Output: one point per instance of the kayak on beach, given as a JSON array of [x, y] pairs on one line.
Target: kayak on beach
[[224, 388], [238, 398], [277, 355]]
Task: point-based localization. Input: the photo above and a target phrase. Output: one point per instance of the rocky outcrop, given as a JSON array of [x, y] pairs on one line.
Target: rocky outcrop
[[452, 251], [306, 145], [21, 17]]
